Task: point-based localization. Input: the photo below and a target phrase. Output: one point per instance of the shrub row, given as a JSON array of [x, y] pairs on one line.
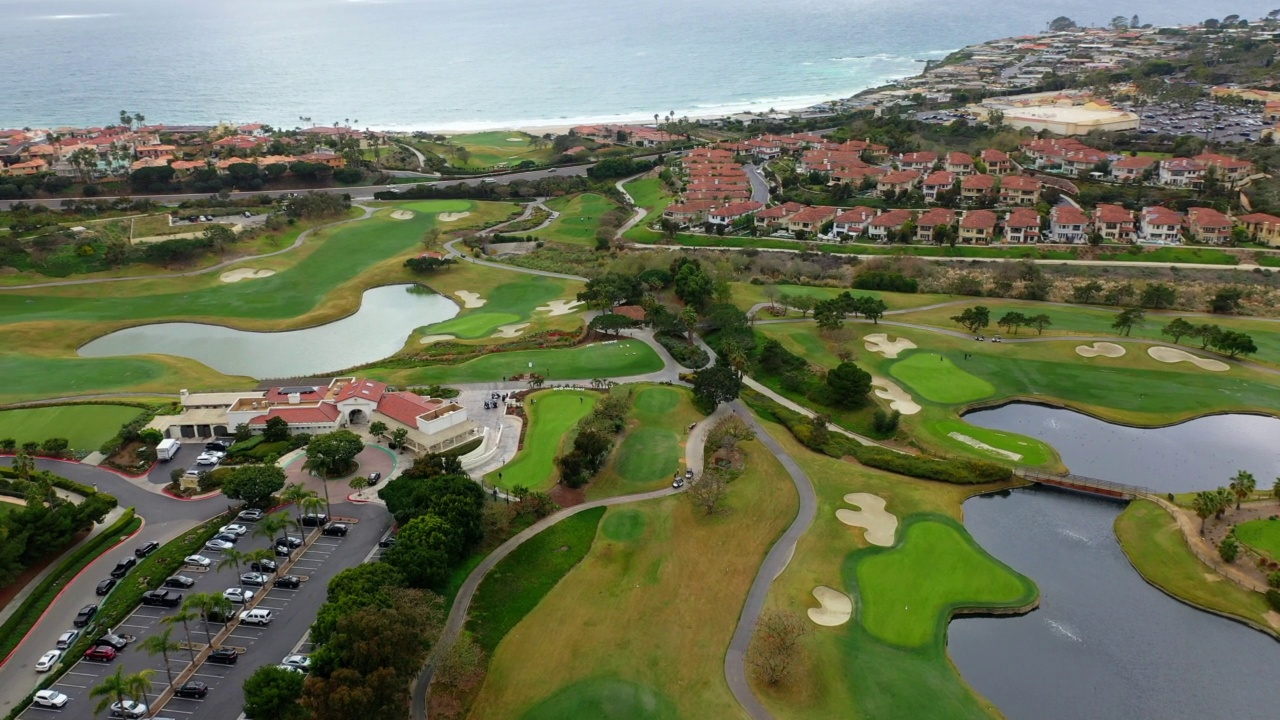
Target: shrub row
[[690, 356]]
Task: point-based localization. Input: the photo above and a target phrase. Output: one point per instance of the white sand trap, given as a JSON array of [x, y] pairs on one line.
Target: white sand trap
[[879, 342], [898, 398], [401, 214], [470, 299], [1173, 355], [836, 608], [436, 338], [452, 217], [559, 307], [510, 331], [239, 274], [979, 445], [515, 139], [880, 525], [1103, 349]]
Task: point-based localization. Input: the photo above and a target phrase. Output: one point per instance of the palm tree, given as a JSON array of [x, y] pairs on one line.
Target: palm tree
[[183, 617], [1205, 504], [294, 494], [119, 687], [232, 558], [1275, 489], [1225, 497], [268, 526], [206, 604], [162, 645], [257, 556], [313, 504], [1242, 486]]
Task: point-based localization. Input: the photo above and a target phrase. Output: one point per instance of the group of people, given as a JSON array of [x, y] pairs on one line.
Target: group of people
[[496, 400]]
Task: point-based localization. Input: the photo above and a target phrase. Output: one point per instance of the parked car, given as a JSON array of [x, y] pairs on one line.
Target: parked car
[[224, 656], [335, 530], [217, 616], [100, 653], [51, 699], [66, 638], [162, 598], [197, 561], [146, 549], [179, 581], [105, 586], [289, 541], [128, 709], [219, 545], [387, 541], [85, 615], [238, 595], [282, 551], [265, 566], [123, 567], [250, 515], [374, 477], [255, 579], [291, 582], [227, 537], [257, 616], [291, 668], [234, 529], [192, 689], [217, 446], [677, 483], [48, 660], [208, 458], [302, 662], [314, 519], [113, 641]]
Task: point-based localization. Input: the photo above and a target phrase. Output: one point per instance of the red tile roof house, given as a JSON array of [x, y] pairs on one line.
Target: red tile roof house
[[855, 175], [1022, 226], [997, 163], [1230, 171], [1019, 190], [978, 226], [1207, 225], [1262, 227], [689, 212], [932, 219], [155, 151], [727, 214], [811, 219], [1131, 169], [897, 182], [1068, 224], [718, 196], [852, 222], [1161, 225], [764, 149], [1181, 172], [959, 163], [922, 162], [975, 188], [777, 214], [934, 183], [883, 226], [1114, 223]]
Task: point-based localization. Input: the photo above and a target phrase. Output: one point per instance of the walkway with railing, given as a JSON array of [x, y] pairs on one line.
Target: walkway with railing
[[1088, 485]]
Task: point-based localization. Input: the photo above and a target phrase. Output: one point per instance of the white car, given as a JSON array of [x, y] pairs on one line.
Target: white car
[[302, 662], [216, 544], [234, 529], [208, 459], [66, 638], [128, 709], [238, 595], [48, 660], [254, 578], [51, 698], [198, 561], [291, 668]]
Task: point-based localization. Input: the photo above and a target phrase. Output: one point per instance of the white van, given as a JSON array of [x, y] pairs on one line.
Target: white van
[[257, 617], [168, 448]]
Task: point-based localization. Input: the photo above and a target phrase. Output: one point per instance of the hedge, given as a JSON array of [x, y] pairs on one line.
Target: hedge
[[949, 470]]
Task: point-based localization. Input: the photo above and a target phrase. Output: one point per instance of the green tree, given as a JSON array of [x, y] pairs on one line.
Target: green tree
[[716, 384], [161, 644], [614, 323], [1128, 319], [1205, 333], [118, 687], [207, 604], [332, 454], [1177, 329], [1158, 296], [254, 484], [829, 315], [400, 438], [273, 693], [1226, 300], [849, 384], [694, 286], [1229, 548], [1206, 504], [276, 430], [184, 617], [1233, 343], [1086, 293], [233, 558], [872, 308], [973, 319], [378, 430], [425, 551], [1039, 322], [1242, 486], [1011, 321]]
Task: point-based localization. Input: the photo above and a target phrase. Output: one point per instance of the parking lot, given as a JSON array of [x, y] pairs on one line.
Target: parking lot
[[293, 610], [1211, 121]]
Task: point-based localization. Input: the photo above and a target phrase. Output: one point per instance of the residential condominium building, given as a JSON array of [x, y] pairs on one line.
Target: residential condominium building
[[930, 221], [1206, 225], [811, 219], [1068, 224], [729, 213], [959, 163], [1262, 227], [1161, 225], [978, 226], [896, 182], [921, 162], [1022, 226], [998, 163], [1113, 223], [884, 226], [777, 214], [1132, 169], [852, 222], [1229, 171], [937, 182], [975, 189], [1180, 172], [1019, 190]]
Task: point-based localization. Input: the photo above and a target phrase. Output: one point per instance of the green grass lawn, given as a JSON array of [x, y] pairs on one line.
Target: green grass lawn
[[1261, 535], [551, 415], [619, 359], [745, 294], [653, 447], [519, 582], [649, 193], [491, 148], [604, 699], [936, 378], [1209, 256], [512, 301], [579, 219], [906, 594], [1033, 451], [85, 426]]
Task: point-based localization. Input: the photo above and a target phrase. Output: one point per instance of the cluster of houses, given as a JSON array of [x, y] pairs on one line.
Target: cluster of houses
[[1073, 158], [114, 151], [637, 135]]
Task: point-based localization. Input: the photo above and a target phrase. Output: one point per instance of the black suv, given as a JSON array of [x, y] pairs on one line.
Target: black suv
[[115, 642], [181, 582], [161, 598], [123, 567], [192, 689], [85, 615], [336, 529], [292, 582], [264, 566], [314, 519], [289, 541], [224, 656], [217, 616], [146, 549], [105, 586]]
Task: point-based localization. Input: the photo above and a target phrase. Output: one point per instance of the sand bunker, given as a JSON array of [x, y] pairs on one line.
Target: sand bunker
[[898, 398], [880, 525], [237, 275], [436, 338], [470, 299], [515, 139], [1173, 355], [879, 342], [452, 217], [1103, 349], [401, 214], [836, 608], [559, 307], [510, 331], [978, 444]]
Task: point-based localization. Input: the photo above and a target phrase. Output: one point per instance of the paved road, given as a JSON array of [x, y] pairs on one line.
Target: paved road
[[759, 186]]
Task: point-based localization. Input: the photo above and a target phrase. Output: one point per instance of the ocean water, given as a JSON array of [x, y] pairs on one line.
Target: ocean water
[[472, 64]]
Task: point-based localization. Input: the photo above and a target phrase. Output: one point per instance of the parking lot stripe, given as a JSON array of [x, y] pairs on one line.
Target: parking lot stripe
[[220, 677], [63, 684], [144, 627], [249, 637], [92, 675]]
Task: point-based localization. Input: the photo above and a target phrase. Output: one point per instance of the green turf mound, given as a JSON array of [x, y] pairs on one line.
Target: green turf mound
[[475, 325], [1261, 535], [604, 699], [657, 400], [623, 525], [937, 379], [1033, 451], [647, 454]]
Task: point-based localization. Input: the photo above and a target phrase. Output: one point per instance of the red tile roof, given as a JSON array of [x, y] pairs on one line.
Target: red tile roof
[[294, 414], [978, 182], [901, 177], [1111, 214], [737, 209], [405, 407], [277, 396], [1068, 215], [959, 158], [365, 389], [816, 215], [780, 211], [1133, 163], [915, 158], [978, 219], [1259, 219], [940, 178], [991, 155], [1018, 182], [1023, 218], [936, 216], [859, 215], [1160, 215], [891, 219], [1208, 217]]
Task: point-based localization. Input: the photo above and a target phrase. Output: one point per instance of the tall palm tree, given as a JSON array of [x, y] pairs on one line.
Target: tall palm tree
[[293, 494], [162, 644], [268, 526], [258, 555], [1275, 489], [232, 558], [1242, 486], [119, 687], [313, 504], [182, 617], [206, 604], [1205, 504]]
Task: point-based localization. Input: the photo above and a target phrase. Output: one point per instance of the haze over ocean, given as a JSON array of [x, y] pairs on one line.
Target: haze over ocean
[[471, 64]]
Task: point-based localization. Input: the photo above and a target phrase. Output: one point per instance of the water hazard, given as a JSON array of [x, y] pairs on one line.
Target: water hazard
[[386, 317]]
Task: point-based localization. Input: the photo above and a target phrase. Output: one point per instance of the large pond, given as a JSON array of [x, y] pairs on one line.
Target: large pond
[[386, 317], [1104, 644]]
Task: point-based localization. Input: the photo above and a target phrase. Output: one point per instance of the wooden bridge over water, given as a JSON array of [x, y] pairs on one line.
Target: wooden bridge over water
[[1087, 485]]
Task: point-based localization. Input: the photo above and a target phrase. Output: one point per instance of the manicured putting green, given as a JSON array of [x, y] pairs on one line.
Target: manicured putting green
[[623, 525], [936, 378], [604, 699], [1033, 451], [480, 324], [648, 454], [86, 427], [1261, 535], [907, 593], [656, 400], [579, 219], [550, 415], [610, 360], [42, 376]]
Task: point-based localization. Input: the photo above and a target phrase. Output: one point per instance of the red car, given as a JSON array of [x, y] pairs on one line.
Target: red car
[[101, 653]]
